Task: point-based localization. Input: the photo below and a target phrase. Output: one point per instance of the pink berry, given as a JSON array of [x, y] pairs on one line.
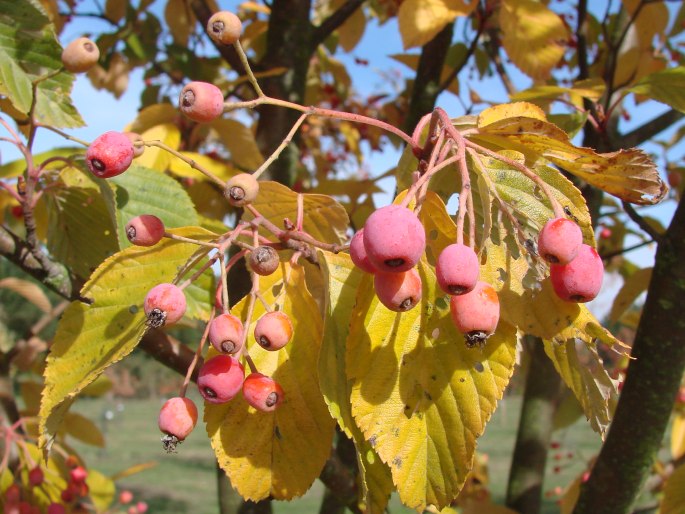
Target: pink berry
[[138, 149], [36, 476], [109, 155], [264, 260], [56, 508], [164, 304], [394, 239], [559, 241], [126, 496], [141, 507], [201, 101], [399, 292], [273, 330], [145, 230], [78, 474], [476, 313], [13, 494], [262, 392], [220, 378], [177, 419], [358, 253], [226, 333], [224, 27], [581, 279], [457, 269]]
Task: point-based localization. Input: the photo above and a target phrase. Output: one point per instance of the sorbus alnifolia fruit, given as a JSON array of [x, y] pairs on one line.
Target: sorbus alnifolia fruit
[[394, 239], [226, 333], [126, 496], [264, 260], [177, 419], [164, 304], [78, 474], [241, 189], [145, 230], [559, 241], [273, 330], [262, 392], [220, 378], [358, 253], [71, 462], [141, 507], [36, 476], [80, 55], [399, 292], [109, 155], [581, 279], [13, 494], [56, 508], [476, 313], [134, 137], [201, 101], [457, 269], [224, 27]]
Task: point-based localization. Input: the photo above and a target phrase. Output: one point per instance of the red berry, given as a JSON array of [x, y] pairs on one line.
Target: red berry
[[457, 269], [580, 280], [145, 230], [36, 476], [71, 461], [13, 494], [559, 241], [126, 496], [224, 27], [226, 333], [394, 239], [164, 304], [78, 474], [141, 507], [358, 253], [399, 292], [264, 260], [109, 155], [476, 313], [138, 149], [80, 55], [56, 508], [177, 419], [605, 233], [220, 378], [273, 330], [67, 495], [262, 392], [201, 101]]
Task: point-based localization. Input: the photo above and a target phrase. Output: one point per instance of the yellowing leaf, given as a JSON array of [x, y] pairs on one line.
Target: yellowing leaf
[[180, 19], [421, 20], [277, 454], [29, 290], [507, 111], [90, 338], [534, 36], [342, 281], [240, 141], [351, 32], [667, 86], [83, 429], [153, 115], [674, 493], [156, 158], [101, 489], [218, 168], [632, 287], [592, 89], [678, 435]]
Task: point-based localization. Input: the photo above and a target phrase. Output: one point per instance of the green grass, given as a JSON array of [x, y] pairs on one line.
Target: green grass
[[185, 482]]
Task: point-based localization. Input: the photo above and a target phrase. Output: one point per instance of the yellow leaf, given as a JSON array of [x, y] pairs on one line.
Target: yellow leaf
[[132, 470], [507, 111], [180, 19], [30, 393], [351, 32], [29, 290], [674, 493], [101, 489], [632, 287], [218, 168], [255, 7], [421, 20], [83, 429], [156, 158], [342, 281], [259, 450], [115, 9], [534, 36], [240, 141], [91, 337], [678, 435], [153, 115]]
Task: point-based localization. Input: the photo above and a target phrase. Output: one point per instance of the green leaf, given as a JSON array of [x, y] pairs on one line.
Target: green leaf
[[342, 280], [667, 86], [16, 168], [258, 450], [145, 191], [240, 141], [91, 337], [632, 287]]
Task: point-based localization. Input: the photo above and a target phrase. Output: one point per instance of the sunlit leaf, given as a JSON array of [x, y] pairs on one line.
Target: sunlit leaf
[[218, 168], [667, 86], [632, 287], [240, 141], [351, 32], [421, 20], [674, 492], [29, 290], [83, 429], [180, 19], [678, 435], [157, 158], [101, 489]]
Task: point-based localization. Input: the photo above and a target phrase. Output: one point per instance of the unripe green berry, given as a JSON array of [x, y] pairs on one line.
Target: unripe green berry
[[80, 55], [224, 27], [241, 189]]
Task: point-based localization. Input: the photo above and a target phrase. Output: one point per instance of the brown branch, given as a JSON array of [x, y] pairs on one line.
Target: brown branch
[[335, 20], [641, 222], [645, 132], [169, 351]]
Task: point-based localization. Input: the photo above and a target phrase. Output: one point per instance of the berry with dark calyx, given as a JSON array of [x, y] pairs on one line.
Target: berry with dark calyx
[[226, 333], [201, 101], [80, 55], [36, 476], [224, 27], [457, 269], [264, 260], [56, 508], [399, 292], [241, 189], [262, 392], [164, 304], [580, 280], [145, 230], [273, 330], [476, 314], [138, 149], [177, 419], [220, 378], [109, 155], [358, 253], [559, 241], [394, 239]]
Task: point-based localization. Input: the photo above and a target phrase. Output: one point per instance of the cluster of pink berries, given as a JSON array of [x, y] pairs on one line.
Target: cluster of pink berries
[[576, 270], [391, 244]]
